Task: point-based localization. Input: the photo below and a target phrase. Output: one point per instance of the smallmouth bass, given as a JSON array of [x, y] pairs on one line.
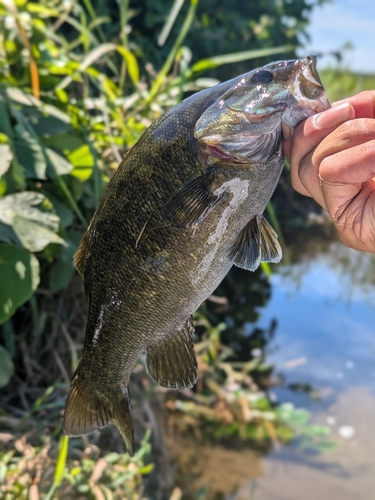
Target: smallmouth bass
[[185, 204]]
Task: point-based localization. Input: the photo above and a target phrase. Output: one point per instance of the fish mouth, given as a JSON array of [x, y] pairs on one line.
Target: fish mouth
[[310, 62], [248, 119], [215, 151], [307, 86], [211, 148]]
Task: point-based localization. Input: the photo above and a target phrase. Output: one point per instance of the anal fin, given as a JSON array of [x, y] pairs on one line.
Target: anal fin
[[172, 362], [256, 243], [86, 411]]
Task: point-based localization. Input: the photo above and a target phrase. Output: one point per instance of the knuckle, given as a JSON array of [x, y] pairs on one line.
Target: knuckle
[[359, 127], [325, 167], [369, 150]]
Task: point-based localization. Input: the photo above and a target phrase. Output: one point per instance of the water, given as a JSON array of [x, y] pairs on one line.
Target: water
[[325, 338], [326, 324]]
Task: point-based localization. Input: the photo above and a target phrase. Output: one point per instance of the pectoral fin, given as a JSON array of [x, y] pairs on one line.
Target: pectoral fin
[[270, 247], [192, 203], [172, 362], [256, 243]]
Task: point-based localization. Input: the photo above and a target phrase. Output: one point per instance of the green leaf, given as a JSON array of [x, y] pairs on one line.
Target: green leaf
[[41, 10], [63, 269], [316, 430], [215, 61], [61, 274], [62, 211], [47, 121], [131, 63], [82, 157], [295, 417], [6, 157], [83, 162], [18, 95], [6, 366], [29, 153], [266, 269], [5, 123], [19, 271], [3, 187], [61, 460], [173, 13], [65, 143], [60, 164], [147, 469], [98, 52], [7, 234], [34, 228]]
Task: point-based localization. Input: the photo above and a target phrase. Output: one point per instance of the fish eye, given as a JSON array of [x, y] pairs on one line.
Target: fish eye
[[262, 76]]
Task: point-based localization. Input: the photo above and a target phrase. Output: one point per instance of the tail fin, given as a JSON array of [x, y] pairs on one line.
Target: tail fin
[[86, 412]]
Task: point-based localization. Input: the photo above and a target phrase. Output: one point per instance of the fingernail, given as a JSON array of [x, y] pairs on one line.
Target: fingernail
[[333, 116], [337, 103]]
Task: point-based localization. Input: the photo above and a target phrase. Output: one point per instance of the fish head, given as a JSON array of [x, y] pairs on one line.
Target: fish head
[[245, 124]]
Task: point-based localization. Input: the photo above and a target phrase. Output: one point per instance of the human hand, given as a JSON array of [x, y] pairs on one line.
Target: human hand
[[332, 158]]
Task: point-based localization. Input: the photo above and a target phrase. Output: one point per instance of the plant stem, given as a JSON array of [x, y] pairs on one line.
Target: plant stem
[[124, 5], [70, 199], [169, 61]]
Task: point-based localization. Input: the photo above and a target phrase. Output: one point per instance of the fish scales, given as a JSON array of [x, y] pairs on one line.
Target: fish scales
[[185, 204]]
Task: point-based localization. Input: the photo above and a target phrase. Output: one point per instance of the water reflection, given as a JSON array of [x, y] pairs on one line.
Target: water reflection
[[326, 314], [344, 474], [323, 346]]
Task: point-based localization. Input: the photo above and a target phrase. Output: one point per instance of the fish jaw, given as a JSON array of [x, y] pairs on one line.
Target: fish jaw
[[305, 85], [244, 125]]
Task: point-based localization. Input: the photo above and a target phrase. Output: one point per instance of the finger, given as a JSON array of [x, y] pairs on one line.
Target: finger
[[363, 104], [309, 134], [308, 176], [338, 198], [287, 139], [346, 156], [353, 166]]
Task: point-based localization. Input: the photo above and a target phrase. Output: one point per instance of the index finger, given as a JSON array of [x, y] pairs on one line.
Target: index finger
[[363, 104], [306, 138]]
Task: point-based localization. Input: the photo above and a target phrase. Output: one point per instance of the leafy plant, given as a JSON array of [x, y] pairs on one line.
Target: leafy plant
[[342, 83], [68, 101], [27, 469], [80, 81]]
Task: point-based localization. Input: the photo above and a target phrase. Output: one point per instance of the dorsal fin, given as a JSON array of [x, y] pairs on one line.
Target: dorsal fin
[[256, 243], [172, 362], [80, 255]]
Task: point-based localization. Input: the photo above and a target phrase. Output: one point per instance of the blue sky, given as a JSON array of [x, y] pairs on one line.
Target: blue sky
[[332, 25]]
